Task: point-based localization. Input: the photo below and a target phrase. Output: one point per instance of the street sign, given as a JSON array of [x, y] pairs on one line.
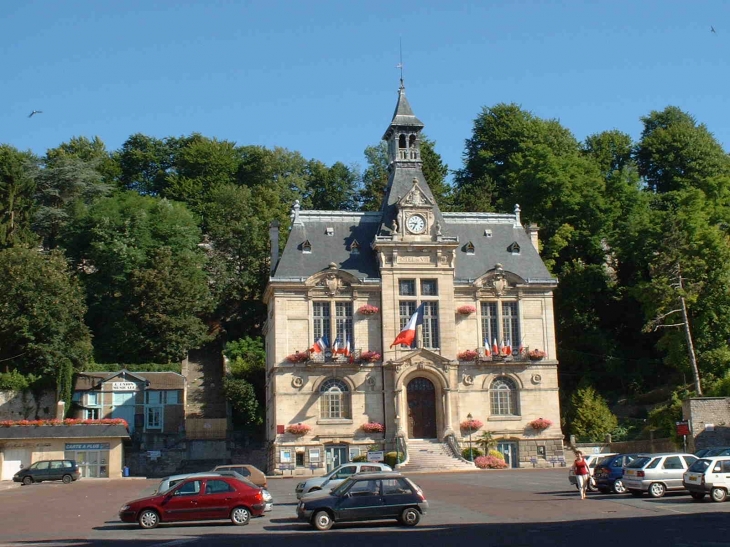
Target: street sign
[[376, 456], [683, 428]]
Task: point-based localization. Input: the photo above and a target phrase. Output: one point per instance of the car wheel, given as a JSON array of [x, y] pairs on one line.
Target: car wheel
[[657, 490], [67, 479], [148, 519], [240, 516], [322, 520], [410, 516], [27, 480], [636, 493], [718, 494], [618, 487], [699, 496]]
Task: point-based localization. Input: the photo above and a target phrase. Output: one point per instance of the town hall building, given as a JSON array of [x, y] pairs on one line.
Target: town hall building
[[348, 283]]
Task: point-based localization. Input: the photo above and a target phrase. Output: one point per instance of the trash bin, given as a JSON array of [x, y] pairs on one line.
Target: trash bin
[[125, 471]]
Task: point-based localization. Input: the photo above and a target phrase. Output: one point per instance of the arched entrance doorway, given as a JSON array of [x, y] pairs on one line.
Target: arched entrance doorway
[[421, 399]]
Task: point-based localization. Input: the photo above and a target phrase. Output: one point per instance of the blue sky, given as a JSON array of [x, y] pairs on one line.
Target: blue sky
[[320, 77]]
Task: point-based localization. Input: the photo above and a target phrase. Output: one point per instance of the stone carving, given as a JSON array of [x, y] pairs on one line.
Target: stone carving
[[332, 284], [468, 380], [536, 378], [497, 280], [297, 381]]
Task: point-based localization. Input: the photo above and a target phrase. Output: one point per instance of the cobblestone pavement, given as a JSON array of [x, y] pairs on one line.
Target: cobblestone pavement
[[511, 507]]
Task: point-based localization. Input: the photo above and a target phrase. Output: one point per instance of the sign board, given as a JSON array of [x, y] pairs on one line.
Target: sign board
[[124, 386], [154, 454], [683, 428], [87, 446], [376, 456], [314, 454]]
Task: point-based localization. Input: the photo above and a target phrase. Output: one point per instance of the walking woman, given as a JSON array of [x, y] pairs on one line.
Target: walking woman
[[582, 474]]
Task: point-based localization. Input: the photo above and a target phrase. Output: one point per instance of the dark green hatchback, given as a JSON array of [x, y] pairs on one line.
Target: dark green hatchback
[[49, 470]]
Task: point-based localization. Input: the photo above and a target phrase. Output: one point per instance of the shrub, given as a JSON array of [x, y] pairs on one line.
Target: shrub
[[589, 417], [490, 462], [391, 458], [360, 458], [475, 452], [496, 454], [15, 381]]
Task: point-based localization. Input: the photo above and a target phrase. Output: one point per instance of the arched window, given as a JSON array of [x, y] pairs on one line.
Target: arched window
[[402, 141], [503, 396], [335, 399]]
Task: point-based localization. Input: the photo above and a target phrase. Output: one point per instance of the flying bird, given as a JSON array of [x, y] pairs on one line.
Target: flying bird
[[712, 30], [34, 113]]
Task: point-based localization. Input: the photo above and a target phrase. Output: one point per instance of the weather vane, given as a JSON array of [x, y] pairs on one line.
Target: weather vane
[[400, 65]]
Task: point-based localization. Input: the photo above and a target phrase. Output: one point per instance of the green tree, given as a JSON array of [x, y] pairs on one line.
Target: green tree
[[41, 314], [144, 275], [18, 171], [247, 361], [89, 151], [332, 188], [589, 417], [243, 399]]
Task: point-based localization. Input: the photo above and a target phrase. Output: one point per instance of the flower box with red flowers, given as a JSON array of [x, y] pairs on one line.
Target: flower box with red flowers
[[467, 355], [299, 429], [67, 421], [540, 424], [536, 354], [298, 357], [373, 427], [368, 309], [370, 357], [467, 309]]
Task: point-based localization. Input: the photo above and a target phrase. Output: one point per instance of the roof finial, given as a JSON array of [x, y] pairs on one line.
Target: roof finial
[[400, 64]]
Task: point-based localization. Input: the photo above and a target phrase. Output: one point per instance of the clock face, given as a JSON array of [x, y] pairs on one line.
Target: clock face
[[416, 224]]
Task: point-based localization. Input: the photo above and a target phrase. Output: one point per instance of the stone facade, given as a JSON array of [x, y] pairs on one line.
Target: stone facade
[[25, 405], [473, 281], [709, 421]]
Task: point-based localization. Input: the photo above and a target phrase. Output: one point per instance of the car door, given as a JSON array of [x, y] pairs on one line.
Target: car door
[[672, 470], [39, 471], [182, 503], [397, 494], [55, 470], [362, 501], [216, 501]]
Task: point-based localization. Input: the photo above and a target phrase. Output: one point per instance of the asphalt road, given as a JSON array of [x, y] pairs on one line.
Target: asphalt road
[[479, 508]]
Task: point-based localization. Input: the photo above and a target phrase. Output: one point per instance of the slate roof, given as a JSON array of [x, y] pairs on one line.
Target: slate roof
[[63, 431], [346, 228], [403, 114], [157, 380]]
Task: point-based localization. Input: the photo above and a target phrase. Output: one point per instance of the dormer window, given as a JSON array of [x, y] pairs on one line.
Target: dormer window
[[355, 247], [330, 231], [469, 248], [514, 248], [488, 233], [306, 247]]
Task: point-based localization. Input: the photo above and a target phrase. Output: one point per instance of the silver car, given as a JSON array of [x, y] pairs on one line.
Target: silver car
[[338, 475], [657, 473]]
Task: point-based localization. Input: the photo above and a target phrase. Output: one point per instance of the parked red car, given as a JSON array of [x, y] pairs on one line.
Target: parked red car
[[198, 498]]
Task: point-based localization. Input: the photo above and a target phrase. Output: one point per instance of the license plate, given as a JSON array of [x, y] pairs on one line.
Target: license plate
[[693, 477], [630, 472]]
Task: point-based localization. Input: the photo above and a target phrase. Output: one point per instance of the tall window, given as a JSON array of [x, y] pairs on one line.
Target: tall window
[[334, 399], [430, 324], [508, 312], [154, 417], [342, 311], [503, 397], [426, 290]]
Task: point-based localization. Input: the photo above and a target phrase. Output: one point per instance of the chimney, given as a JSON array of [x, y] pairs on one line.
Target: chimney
[[60, 410], [274, 239], [532, 230]]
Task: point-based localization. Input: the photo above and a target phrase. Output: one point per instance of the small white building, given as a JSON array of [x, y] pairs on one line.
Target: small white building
[[353, 280]]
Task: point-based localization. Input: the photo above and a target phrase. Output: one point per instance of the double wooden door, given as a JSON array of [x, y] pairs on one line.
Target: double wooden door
[[421, 398]]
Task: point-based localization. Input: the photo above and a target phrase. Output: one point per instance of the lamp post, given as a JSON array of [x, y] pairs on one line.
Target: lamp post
[[468, 417]]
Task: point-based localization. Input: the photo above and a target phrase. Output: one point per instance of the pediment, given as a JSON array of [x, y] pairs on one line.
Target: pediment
[[415, 197], [421, 355], [498, 279], [332, 281]]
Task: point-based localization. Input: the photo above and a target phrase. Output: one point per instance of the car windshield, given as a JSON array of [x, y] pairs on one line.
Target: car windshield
[[604, 461], [342, 488], [639, 462], [700, 466]]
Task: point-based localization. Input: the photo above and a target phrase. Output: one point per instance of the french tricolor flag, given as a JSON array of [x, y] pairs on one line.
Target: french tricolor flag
[[408, 334]]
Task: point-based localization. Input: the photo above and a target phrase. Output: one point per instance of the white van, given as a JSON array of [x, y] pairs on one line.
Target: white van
[[708, 476]]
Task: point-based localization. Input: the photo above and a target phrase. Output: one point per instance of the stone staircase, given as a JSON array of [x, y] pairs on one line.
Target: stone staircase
[[431, 455], [204, 372]]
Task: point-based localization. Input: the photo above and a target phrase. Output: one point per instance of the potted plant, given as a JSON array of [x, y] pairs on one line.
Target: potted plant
[[540, 424], [467, 309], [298, 357], [536, 354], [298, 429], [467, 355], [368, 309], [373, 427]]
